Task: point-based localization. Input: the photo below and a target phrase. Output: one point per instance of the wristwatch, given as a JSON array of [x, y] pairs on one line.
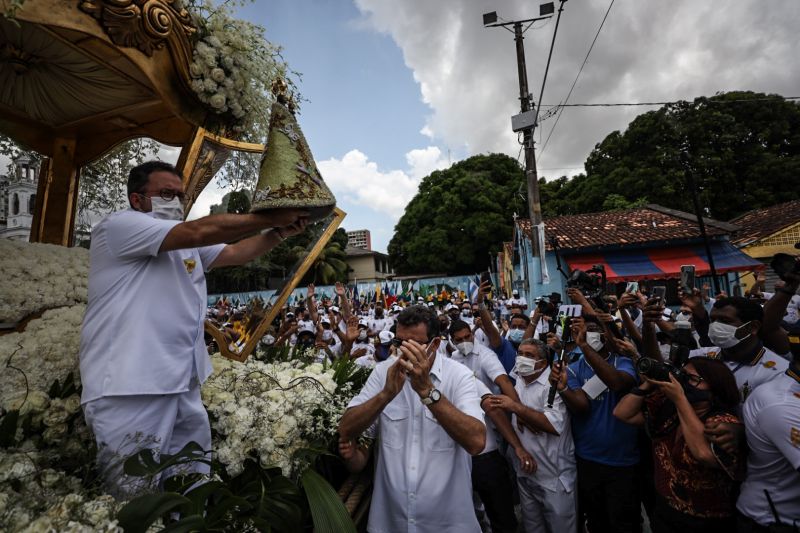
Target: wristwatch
[[433, 396]]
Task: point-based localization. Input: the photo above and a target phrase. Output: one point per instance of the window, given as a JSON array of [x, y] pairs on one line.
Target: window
[[15, 205], [31, 203]]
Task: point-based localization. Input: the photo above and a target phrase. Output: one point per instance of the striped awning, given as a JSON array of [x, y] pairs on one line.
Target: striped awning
[[661, 263]]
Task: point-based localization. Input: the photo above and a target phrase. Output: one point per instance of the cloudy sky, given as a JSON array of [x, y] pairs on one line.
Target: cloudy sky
[[397, 89]]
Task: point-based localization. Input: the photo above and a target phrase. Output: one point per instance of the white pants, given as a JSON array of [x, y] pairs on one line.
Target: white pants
[[124, 425], [548, 511]]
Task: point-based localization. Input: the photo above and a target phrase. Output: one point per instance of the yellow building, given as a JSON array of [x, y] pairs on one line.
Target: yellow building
[[766, 232]]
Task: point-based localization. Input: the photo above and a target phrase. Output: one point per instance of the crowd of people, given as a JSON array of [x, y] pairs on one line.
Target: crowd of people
[[597, 419]]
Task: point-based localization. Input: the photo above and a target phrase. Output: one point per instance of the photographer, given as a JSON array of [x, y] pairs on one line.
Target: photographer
[[695, 481], [605, 448]]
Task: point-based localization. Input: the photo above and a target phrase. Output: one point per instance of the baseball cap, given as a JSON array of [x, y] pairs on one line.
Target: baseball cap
[[325, 320], [334, 309], [386, 337], [305, 328], [363, 322]]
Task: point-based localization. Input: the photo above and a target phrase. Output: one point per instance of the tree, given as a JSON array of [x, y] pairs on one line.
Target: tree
[[329, 267], [743, 148], [459, 216]]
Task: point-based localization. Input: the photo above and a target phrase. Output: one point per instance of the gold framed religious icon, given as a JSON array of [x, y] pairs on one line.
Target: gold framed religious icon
[[262, 315]]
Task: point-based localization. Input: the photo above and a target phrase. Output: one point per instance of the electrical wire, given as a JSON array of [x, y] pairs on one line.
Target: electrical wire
[[575, 81], [719, 102], [549, 57]]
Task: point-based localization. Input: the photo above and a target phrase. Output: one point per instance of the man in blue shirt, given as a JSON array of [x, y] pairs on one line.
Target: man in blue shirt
[[605, 448]]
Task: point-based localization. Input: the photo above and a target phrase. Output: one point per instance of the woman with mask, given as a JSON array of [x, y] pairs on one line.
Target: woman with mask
[[696, 482]]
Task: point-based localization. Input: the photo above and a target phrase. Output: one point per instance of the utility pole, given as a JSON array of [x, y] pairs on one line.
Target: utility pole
[[531, 175], [526, 121]]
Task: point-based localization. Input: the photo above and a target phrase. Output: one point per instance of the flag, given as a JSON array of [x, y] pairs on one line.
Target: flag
[[474, 287]]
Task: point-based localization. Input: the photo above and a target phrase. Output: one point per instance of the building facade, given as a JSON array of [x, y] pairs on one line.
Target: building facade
[[18, 199], [359, 238], [367, 265]]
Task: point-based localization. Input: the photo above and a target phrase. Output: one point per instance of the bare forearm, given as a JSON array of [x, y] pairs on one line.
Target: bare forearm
[[357, 419], [489, 328], [213, 229], [467, 431], [503, 425], [534, 418], [576, 400], [613, 378], [630, 327], [629, 408], [248, 249], [506, 387], [358, 461], [693, 432], [650, 341]]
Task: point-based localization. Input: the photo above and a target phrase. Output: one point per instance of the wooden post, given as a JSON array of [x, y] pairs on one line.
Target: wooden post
[[57, 196]]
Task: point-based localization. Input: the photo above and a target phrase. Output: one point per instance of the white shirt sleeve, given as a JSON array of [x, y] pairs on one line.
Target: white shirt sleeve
[[133, 234], [465, 397], [778, 421], [208, 254], [492, 367], [557, 415]]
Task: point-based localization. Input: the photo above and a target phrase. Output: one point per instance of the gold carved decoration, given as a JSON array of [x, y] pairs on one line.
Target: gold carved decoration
[[143, 24]]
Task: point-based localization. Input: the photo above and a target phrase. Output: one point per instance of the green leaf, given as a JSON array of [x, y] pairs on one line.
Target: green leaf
[[327, 510], [193, 522], [8, 428], [138, 514]]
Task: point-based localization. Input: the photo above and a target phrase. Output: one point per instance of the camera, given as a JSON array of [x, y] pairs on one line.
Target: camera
[[657, 370], [590, 282], [784, 264]]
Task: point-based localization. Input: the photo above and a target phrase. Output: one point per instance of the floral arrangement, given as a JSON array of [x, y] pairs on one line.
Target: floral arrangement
[[40, 276], [270, 418], [272, 410], [233, 69]]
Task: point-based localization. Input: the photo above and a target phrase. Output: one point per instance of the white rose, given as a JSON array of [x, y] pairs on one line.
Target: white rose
[[54, 434], [218, 75], [72, 404], [195, 69]]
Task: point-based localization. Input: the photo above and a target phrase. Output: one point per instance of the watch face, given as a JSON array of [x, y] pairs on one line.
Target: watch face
[[435, 395]]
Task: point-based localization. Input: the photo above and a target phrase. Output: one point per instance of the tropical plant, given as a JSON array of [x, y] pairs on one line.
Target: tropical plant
[[329, 267]]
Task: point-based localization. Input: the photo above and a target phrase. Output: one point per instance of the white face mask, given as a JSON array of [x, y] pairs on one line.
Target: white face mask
[[327, 335], [664, 349], [465, 347], [594, 341], [466, 312], [166, 209], [525, 366], [683, 317], [724, 335], [362, 335]]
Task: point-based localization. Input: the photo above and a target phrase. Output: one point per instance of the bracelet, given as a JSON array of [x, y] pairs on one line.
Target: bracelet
[[636, 391], [786, 291]]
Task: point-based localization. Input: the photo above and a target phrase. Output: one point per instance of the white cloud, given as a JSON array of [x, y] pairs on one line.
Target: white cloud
[[211, 195], [358, 180], [647, 51]]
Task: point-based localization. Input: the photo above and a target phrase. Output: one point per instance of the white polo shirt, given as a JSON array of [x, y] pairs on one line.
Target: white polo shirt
[[143, 328], [555, 454], [772, 425], [483, 363], [764, 367], [422, 477]]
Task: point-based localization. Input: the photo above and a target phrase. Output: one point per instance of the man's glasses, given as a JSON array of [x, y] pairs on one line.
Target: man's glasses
[[168, 194], [693, 379]]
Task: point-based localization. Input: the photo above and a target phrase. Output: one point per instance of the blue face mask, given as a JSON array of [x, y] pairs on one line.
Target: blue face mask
[[515, 335]]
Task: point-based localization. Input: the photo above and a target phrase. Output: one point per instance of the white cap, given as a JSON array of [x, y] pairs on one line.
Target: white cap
[[386, 337], [430, 304], [363, 322], [451, 306], [325, 320], [334, 309], [305, 327]]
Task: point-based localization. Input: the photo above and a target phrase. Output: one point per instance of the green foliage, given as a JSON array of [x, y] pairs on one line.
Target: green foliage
[[330, 515], [744, 155], [459, 216]]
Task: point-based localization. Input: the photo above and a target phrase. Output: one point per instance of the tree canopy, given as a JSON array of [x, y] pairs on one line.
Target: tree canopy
[[742, 147], [459, 216]]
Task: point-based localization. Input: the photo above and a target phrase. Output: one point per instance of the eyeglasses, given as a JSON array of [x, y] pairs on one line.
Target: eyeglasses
[[168, 194], [693, 379], [397, 342]]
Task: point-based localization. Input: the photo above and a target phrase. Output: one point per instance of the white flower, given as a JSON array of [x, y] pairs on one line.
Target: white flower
[[209, 85], [218, 75], [217, 101], [195, 69]]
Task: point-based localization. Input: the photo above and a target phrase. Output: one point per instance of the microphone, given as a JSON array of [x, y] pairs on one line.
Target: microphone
[[566, 335]]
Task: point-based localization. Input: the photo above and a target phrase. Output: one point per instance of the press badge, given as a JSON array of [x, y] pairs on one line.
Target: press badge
[[594, 387]]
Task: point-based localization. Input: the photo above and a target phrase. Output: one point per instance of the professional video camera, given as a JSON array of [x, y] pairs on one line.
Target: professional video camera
[[682, 343], [657, 370], [591, 282]]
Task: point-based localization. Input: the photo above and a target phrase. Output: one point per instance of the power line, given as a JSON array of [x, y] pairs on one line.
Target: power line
[[629, 104], [549, 57], [575, 81]]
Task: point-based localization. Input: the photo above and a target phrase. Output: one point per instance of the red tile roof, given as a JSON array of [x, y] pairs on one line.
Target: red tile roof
[[630, 226], [761, 223]]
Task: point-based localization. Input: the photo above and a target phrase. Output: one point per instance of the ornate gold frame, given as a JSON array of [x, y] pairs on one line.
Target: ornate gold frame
[[283, 297]]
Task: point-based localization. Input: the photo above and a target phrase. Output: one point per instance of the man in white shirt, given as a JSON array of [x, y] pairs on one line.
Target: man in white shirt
[[517, 301], [772, 425], [142, 356], [482, 361], [379, 322], [547, 497], [425, 411]]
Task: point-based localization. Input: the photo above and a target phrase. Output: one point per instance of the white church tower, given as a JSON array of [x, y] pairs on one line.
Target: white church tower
[[18, 199]]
